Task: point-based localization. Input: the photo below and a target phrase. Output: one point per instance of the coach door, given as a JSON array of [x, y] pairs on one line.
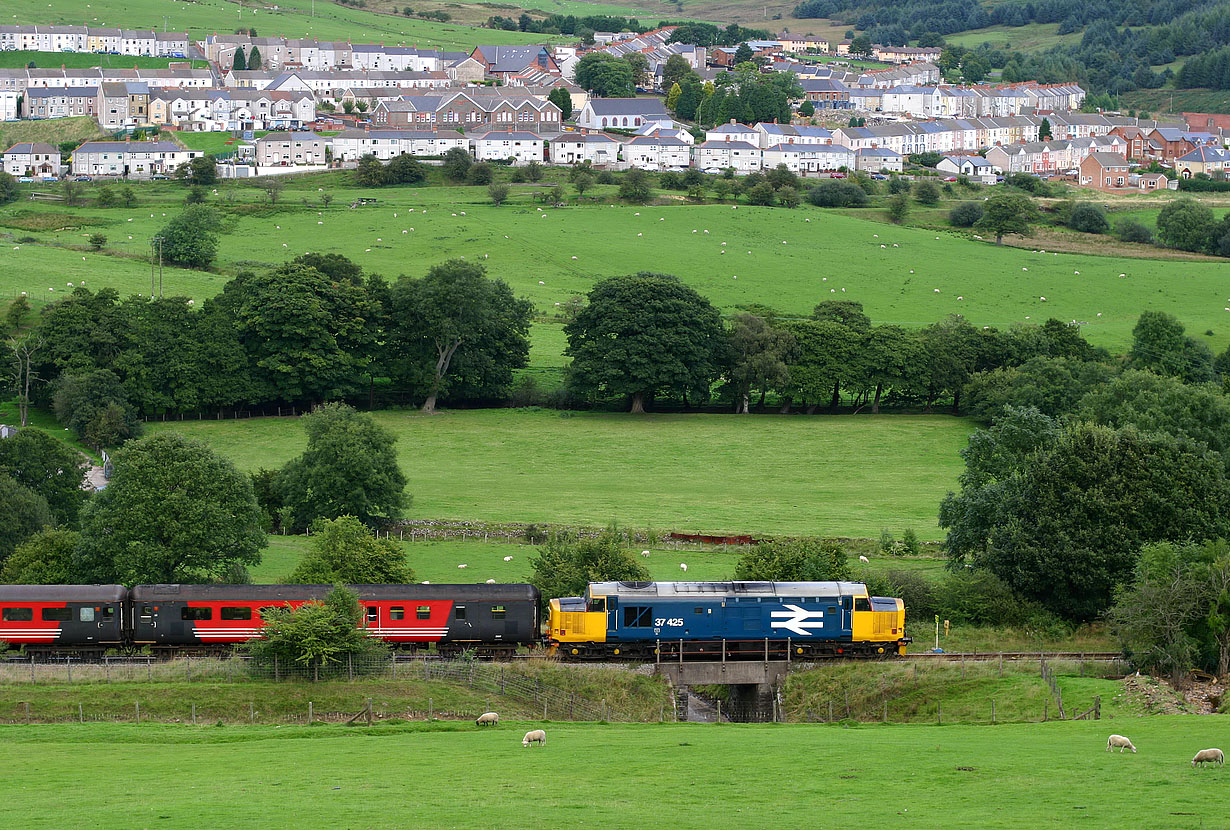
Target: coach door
[[371, 620]]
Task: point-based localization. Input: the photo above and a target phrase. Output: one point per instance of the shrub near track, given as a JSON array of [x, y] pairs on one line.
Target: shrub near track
[[619, 776]]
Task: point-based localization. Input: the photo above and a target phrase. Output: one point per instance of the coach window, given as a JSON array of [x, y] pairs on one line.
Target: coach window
[[58, 614], [423, 612], [497, 612], [236, 612], [17, 614], [87, 615], [108, 613], [460, 612], [397, 613], [187, 613]]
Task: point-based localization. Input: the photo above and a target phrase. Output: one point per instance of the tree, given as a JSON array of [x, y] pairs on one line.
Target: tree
[[672, 97], [634, 187], [675, 71], [9, 191], [17, 312], [1008, 213], [349, 468], [1159, 344], [807, 109], [743, 54], [643, 335], [566, 564], [1186, 225], [405, 169], [781, 176], [1044, 130], [498, 192], [1088, 218], [562, 99], [46, 558], [760, 194], [860, 45], [795, 560], [837, 194], [898, 207], [254, 58], [758, 355], [480, 173], [344, 551], [461, 330], [322, 637], [96, 407], [1197, 412], [174, 511], [273, 187], [370, 172], [203, 171], [965, 215], [239, 63], [926, 193], [604, 75], [457, 163], [582, 182], [24, 371], [25, 514], [189, 239], [640, 68], [49, 468]]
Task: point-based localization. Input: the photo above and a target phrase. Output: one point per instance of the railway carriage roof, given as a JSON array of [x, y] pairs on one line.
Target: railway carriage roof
[[726, 590], [260, 593], [62, 593]]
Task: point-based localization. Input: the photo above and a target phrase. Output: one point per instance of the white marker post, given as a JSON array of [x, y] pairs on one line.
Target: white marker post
[[937, 632]]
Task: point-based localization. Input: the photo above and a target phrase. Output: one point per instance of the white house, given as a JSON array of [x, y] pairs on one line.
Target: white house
[[808, 158], [131, 159], [975, 167], [290, 149], [37, 159], [521, 147], [769, 135], [658, 152], [352, 145], [876, 159], [599, 150], [715, 156], [9, 99], [733, 131], [624, 113]]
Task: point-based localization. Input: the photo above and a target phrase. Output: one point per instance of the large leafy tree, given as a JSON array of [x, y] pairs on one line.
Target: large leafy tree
[[758, 353], [308, 337], [348, 469], [644, 335], [827, 356], [1006, 213], [566, 564], [190, 239], [604, 75], [459, 332], [48, 467], [174, 511], [797, 560], [95, 406], [46, 558], [1159, 344], [562, 99], [25, 514], [320, 637], [1066, 527], [676, 71], [344, 551], [1197, 412], [1186, 225]]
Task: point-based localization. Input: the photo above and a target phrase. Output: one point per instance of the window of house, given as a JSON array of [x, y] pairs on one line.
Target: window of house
[[187, 613]]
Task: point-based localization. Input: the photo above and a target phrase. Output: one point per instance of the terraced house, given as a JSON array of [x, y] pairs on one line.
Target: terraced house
[[290, 149], [468, 111], [130, 159], [352, 145]]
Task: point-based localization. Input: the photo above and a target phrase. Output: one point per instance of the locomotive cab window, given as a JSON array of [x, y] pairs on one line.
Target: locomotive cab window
[[58, 614], [423, 612], [17, 614], [638, 616], [460, 612], [832, 609], [596, 604], [497, 612], [187, 613], [397, 613], [236, 612], [862, 604], [87, 615]]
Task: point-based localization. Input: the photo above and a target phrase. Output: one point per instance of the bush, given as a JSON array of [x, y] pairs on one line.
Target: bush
[[605, 177], [926, 193], [965, 215], [480, 173], [898, 207], [97, 241], [1088, 218], [837, 193], [760, 194], [898, 185], [794, 560], [8, 188], [670, 180], [1129, 230], [788, 197], [498, 193]]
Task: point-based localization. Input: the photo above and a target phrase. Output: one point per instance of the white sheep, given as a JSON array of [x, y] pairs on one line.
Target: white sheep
[[1119, 741], [463, 566], [862, 558], [507, 558], [645, 554], [1215, 756], [490, 581], [487, 719], [534, 736], [683, 566]]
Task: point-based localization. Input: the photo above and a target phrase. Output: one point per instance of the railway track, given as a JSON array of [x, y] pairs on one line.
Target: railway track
[[982, 656]]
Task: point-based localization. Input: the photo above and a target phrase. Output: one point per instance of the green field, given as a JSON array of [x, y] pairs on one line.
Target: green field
[[699, 775], [826, 255], [694, 473], [287, 18], [1178, 100], [1028, 38], [53, 130], [86, 60]]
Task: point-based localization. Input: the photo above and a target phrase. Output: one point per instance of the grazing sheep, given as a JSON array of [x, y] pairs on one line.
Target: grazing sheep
[[487, 719], [463, 566], [507, 558], [863, 558], [645, 554], [1215, 756], [1119, 741], [490, 581], [536, 736], [683, 566]]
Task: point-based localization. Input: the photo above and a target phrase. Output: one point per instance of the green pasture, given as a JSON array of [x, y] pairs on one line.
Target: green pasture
[[52, 130], [214, 143], [288, 18], [86, 60], [1028, 38], [787, 259], [626, 776], [790, 475]]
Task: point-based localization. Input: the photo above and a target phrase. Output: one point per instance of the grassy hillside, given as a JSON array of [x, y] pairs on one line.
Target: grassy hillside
[[825, 255], [616, 776], [1029, 38], [85, 60], [785, 475], [1178, 100], [53, 131], [288, 18]]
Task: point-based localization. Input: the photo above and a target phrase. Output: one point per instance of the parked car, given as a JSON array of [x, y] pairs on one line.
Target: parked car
[[159, 177], [879, 177], [26, 180], [49, 179], [82, 179], [950, 178], [837, 175]]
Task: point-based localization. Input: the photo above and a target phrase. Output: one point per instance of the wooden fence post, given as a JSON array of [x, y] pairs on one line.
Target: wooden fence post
[[939, 713], [138, 711], [194, 714], [80, 713], [311, 713], [1097, 707], [251, 712], [992, 710]]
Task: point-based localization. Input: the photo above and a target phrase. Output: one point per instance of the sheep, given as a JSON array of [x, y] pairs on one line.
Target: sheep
[[507, 558], [463, 566], [1215, 756], [862, 558], [683, 566], [645, 554], [535, 736], [1119, 741], [487, 719]]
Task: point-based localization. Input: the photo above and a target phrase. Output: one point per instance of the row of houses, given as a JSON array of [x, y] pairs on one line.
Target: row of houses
[[94, 39], [23, 79]]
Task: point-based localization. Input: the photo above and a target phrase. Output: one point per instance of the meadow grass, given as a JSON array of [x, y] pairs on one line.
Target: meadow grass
[[827, 255], [687, 775], [698, 473], [1028, 38], [287, 18], [20, 59], [51, 130]]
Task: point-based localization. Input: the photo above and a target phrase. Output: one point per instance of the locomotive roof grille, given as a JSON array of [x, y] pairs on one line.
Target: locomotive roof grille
[[727, 589]]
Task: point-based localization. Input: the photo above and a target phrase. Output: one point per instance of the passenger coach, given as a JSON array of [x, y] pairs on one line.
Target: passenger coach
[[44, 617]]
